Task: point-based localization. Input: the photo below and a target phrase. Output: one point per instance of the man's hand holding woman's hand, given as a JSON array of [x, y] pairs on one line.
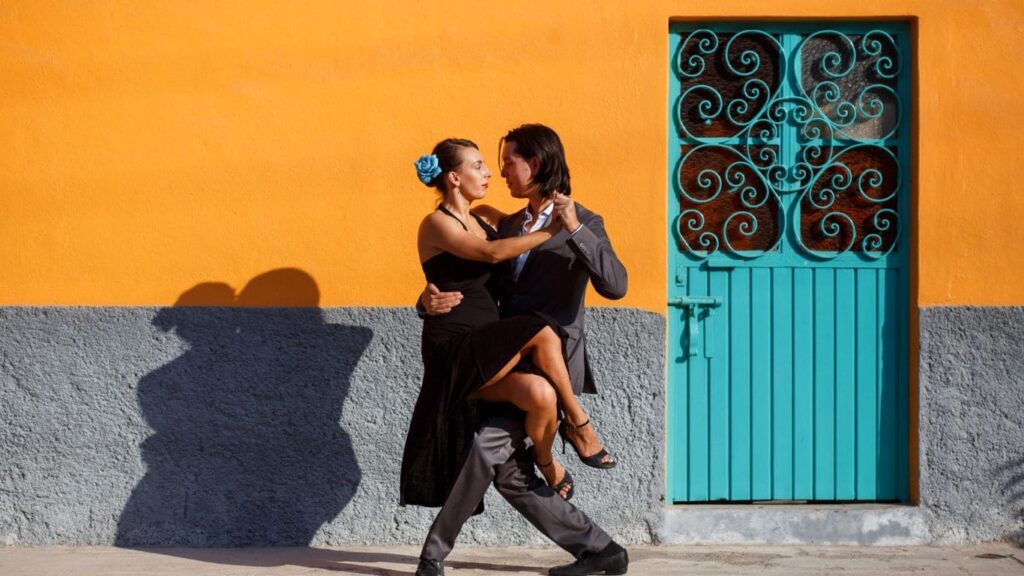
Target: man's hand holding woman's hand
[[565, 210]]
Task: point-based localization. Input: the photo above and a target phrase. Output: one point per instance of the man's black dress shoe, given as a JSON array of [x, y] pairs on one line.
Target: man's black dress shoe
[[430, 568], [612, 560]]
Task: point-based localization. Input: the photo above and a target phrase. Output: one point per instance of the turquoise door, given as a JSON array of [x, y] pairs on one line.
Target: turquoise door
[[788, 291]]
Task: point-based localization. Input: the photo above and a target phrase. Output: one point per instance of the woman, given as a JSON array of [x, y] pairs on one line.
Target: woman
[[468, 353]]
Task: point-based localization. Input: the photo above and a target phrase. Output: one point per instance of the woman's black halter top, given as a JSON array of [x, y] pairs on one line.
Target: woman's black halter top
[[453, 274]]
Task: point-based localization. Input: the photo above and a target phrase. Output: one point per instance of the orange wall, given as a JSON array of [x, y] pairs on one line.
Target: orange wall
[[146, 149]]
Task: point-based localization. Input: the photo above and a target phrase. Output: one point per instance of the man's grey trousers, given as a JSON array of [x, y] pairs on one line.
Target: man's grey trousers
[[499, 453]]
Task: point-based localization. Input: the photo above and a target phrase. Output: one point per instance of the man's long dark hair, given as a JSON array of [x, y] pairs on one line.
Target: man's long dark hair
[[539, 141]]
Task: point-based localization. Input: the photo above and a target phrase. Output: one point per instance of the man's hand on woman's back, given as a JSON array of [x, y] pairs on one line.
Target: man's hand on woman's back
[[436, 302]]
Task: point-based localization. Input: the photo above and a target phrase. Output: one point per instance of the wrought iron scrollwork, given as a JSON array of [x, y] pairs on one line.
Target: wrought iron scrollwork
[[851, 204], [725, 203], [851, 83], [733, 115], [727, 200]]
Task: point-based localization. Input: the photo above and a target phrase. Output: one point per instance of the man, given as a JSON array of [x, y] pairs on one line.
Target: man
[[551, 279]]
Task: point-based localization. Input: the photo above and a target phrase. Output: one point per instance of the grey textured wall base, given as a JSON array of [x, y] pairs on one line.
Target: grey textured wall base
[[219, 426], [972, 422], [227, 426]]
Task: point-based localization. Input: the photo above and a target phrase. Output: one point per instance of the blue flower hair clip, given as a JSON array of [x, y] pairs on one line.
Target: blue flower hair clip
[[428, 168]]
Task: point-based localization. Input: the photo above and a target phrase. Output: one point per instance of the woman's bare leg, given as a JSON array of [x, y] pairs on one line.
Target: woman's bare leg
[[545, 348], [535, 396]]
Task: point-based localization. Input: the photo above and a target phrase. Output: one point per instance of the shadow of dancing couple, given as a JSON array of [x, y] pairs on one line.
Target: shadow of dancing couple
[[504, 348], [247, 446]]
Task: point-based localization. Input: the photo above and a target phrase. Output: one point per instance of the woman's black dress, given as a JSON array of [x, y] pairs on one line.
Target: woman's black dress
[[461, 351]]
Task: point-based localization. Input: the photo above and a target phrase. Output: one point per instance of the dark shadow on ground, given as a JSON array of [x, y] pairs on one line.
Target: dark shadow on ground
[[247, 446]]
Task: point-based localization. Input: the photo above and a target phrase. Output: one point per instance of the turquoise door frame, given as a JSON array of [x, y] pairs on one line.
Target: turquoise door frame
[[789, 198]]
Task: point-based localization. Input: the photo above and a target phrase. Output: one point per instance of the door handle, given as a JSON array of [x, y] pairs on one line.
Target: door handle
[[690, 304], [684, 301]]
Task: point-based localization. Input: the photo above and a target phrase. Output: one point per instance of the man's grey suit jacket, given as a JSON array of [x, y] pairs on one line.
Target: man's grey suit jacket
[[554, 282]]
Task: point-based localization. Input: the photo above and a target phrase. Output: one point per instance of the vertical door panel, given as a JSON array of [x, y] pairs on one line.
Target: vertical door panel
[[886, 460], [846, 406], [823, 358], [803, 384], [761, 371], [782, 392], [866, 354], [699, 421], [718, 337], [739, 384]]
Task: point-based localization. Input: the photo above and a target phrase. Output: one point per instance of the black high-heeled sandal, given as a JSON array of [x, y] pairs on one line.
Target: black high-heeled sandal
[[594, 460], [567, 481]]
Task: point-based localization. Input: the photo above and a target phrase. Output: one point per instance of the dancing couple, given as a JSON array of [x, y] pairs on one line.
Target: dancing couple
[[503, 347]]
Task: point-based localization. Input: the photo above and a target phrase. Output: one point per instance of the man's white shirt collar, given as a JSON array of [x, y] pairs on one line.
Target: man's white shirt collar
[[544, 215], [529, 225]]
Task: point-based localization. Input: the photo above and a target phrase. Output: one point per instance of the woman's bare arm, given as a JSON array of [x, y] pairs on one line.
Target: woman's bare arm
[[440, 233]]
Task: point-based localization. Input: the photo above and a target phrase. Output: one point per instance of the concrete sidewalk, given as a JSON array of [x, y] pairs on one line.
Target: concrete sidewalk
[[477, 561]]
